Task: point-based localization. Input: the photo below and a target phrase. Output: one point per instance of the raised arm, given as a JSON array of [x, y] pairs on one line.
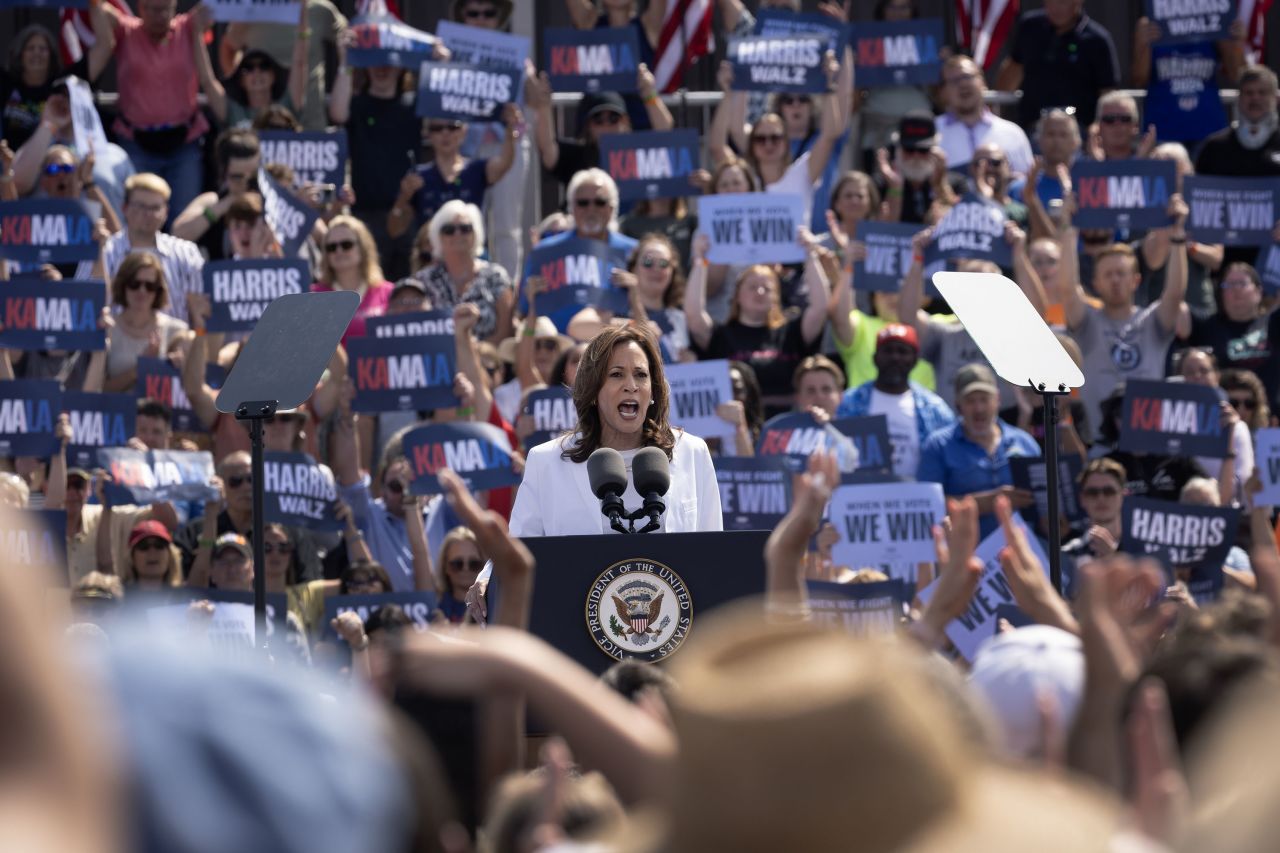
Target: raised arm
[[55, 488], [1025, 274], [198, 392], [465, 317], [298, 70], [1038, 217], [199, 571], [102, 19], [1175, 274], [496, 167], [1145, 34], [911, 296], [732, 106], [1073, 301], [814, 318], [654, 106], [582, 13], [787, 596], [201, 18], [835, 114], [343, 83], [537, 97], [695, 295]]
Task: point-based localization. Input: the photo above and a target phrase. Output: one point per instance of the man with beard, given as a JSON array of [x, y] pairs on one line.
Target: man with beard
[[1251, 145], [913, 411], [918, 176], [968, 123]]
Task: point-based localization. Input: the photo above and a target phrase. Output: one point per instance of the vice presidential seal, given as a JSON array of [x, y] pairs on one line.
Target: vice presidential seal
[[639, 609]]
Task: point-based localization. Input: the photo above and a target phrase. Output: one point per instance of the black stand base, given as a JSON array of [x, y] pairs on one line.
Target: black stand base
[[1051, 480]]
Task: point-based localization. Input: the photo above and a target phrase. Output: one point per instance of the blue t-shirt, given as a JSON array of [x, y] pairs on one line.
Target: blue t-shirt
[[1183, 101], [822, 193], [468, 186], [962, 467], [620, 248]]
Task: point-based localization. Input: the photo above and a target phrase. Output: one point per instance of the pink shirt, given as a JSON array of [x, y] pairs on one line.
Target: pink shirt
[[374, 304], [157, 80]]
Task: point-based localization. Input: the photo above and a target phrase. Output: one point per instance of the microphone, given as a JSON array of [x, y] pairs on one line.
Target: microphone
[[608, 475], [651, 472]]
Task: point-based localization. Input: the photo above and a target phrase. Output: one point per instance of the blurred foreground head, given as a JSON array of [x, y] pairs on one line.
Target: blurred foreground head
[[795, 738]]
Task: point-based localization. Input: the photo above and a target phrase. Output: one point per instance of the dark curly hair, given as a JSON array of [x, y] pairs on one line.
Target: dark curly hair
[[591, 375]]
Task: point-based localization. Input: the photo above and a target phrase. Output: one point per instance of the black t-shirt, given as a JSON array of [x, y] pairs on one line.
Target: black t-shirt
[[1063, 69], [1222, 154], [22, 104], [773, 354], [1252, 345], [574, 157], [384, 135], [306, 553], [1154, 476]]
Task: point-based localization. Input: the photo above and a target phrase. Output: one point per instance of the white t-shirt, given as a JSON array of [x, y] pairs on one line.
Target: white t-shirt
[[795, 181], [904, 434]]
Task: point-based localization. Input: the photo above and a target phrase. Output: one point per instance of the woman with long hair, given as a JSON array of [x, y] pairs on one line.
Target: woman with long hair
[[351, 263], [141, 329], [154, 563], [461, 560], [654, 281]]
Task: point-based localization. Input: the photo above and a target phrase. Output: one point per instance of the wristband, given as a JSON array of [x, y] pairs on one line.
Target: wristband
[[703, 262], [210, 215], [917, 258], [529, 331], [894, 192], [651, 99], [465, 411], [200, 332]]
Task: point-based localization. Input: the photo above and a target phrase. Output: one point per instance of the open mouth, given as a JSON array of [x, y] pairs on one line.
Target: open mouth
[[630, 410]]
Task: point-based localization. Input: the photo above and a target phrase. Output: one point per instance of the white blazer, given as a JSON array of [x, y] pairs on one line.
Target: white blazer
[[555, 498]]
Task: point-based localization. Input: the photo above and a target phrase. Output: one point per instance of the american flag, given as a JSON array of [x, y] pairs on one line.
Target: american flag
[[686, 35], [377, 7], [1254, 14], [76, 32], [982, 26]]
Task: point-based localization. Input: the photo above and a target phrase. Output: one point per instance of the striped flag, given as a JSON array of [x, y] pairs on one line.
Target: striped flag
[[686, 35], [983, 26], [75, 31], [1254, 14], [377, 7]]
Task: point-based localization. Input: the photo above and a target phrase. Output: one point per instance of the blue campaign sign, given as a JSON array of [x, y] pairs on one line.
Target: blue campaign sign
[[1031, 473], [29, 410], [417, 605], [553, 413], [414, 324], [888, 255], [1268, 267], [1173, 419], [478, 453], [159, 379], [316, 157], [97, 420], [384, 40], [239, 291], [44, 4], [299, 491], [791, 63], [575, 273], [1192, 20], [480, 46], [46, 231], [256, 11], [782, 22], [752, 228], [973, 229], [862, 608], [897, 53], [48, 315], [157, 476], [600, 60], [1233, 211], [403, 374], [289, 217], [755, 491], [1184, 537], [1123, 194], [35, 539], [651, 164], [457, 90], [859, 443]]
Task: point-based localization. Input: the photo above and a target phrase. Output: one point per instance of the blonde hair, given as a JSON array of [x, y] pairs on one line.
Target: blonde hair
[[172, 575], [147, 182], [776, 317], [371, 269], [11, 485], [454, 536]]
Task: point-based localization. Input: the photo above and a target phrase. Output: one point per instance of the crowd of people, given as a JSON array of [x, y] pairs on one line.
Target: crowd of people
[[1111, 722]]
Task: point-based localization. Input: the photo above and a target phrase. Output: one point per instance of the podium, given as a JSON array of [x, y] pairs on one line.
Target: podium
[[605, 598]]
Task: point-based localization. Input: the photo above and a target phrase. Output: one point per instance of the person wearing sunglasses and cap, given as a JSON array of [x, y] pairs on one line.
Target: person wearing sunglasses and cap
[[153, 561]]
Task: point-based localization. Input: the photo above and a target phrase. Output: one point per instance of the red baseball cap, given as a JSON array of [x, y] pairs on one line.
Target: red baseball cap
[[898, 332], [146, 530]]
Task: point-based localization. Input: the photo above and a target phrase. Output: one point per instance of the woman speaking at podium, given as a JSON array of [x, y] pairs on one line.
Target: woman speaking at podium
[[621, 399]]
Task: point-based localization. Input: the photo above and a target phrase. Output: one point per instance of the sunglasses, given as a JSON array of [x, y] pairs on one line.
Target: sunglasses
[[394, 486], [235, 481], [442, 128], [78, 484], [1100, 492], [587, 202], [59, 169], [236, 177], [1116, 118], [1246, 403], [465, 229], [649, 262], [767, 139], [547, 344], [151, 545], [255, 66], [990, 161], [282, 548], [474, 564], [340, 245], [487, 14], [369, 580], [492, 368], [137, 284], [608, 117], [792, 100]]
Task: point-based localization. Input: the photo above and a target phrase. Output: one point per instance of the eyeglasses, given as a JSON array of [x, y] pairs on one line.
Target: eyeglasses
[[369, 580], [273, 548], [995, 162], [792, 100], [394, 486], [608, 117], [649, 262], [1116, 118], [1236, 284], [587, 202], [78, 484], [236, 177], [767, 139], [152, 544], [340, 246], [235, 481], [547, 344], [1246, 403], [138, 283], [492, 368], [258, 65], [464, 229], [473, 564], [1100, 492], [442, 128], [59, 169], [487, 14]]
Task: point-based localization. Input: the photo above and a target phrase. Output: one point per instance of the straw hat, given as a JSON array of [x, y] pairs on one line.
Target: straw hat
[[796, 738], [542, 328]]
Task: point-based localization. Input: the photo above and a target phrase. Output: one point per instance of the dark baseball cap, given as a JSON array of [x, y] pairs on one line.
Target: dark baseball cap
[[601, 102], [917, 131]]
